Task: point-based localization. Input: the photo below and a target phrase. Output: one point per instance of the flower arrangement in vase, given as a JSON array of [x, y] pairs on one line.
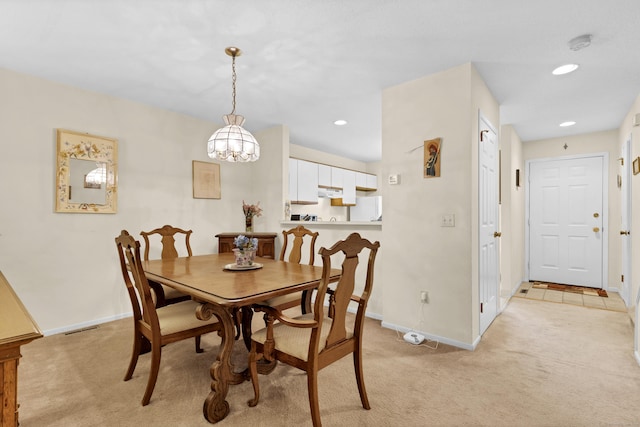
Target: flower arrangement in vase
[[249, 212], [245, 250]]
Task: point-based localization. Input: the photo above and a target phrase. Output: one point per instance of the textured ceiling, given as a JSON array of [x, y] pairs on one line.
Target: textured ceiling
[[307, 63]]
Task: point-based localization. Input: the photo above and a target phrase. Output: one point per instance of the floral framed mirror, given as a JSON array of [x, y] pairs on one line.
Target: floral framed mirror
[[86, 173]]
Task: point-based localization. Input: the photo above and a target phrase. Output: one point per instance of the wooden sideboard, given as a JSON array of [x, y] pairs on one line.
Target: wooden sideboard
[[17, 328], [266, 243]]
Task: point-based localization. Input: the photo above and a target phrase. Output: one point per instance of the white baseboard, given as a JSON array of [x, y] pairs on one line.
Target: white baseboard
[[85, 325], [431, 337], [366, 314]]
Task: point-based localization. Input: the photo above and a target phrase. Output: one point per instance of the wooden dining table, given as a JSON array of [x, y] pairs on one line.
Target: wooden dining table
[[223, 291]]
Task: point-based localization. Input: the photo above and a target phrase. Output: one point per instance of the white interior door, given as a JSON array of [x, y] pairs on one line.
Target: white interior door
[[488, 224], [566, 221], [625, 226]]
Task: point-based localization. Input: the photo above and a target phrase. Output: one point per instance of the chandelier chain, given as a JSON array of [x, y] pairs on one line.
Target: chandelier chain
[[233, 82]]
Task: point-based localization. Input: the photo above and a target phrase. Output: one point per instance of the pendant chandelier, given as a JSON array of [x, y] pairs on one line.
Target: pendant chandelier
[[233, 143]]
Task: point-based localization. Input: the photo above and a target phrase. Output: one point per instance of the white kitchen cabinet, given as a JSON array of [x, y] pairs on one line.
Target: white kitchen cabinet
[[324, 176], [366, 181], [306, 185], [337, 177], [348, 187], [372, 182]]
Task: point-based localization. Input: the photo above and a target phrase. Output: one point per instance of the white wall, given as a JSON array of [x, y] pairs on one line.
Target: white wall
[[419, 254], [64, 266], [511, 214], [597, 142]]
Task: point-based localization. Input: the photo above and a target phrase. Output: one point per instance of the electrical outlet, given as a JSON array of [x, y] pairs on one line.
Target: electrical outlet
[[424, 297], [448, 220]]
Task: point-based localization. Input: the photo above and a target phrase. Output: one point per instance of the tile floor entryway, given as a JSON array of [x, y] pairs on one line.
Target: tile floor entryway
[[612, 302]]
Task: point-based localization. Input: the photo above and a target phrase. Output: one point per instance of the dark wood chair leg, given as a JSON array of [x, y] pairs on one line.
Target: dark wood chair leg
[[236, 314], [253, 371], [312, 385], [357, 364], [137, 351], [156, 354], [247, 318]]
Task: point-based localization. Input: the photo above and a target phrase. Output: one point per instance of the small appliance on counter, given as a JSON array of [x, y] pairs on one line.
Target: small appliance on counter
[[305, 217]]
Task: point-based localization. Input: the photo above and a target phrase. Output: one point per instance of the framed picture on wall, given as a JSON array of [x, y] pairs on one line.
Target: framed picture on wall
[[432, 156], [636, 166], [206, 180]]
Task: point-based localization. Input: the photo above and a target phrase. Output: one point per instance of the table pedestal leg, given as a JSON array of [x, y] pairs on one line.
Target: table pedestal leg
[[215, 406]]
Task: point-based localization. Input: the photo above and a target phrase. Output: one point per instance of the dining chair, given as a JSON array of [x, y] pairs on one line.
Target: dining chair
[[297, 236], [167, 234], [155, 327], [315, 340]]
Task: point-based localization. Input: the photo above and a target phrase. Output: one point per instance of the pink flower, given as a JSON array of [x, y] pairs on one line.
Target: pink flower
[[251, 210]]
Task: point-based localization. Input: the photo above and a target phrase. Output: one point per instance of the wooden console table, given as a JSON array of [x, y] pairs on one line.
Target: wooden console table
[[266, 243], [17, 328]]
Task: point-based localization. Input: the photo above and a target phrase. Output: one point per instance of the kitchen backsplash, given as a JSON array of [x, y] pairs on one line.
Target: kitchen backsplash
[[323, 210]]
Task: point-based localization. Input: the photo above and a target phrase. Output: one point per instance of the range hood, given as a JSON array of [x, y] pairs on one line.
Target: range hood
[[330, 193]]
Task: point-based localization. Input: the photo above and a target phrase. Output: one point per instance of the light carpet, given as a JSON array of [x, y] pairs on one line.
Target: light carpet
[[538, 364]]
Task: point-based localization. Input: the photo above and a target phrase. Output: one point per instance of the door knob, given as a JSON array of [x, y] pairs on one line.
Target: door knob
[[497, 234], [596, 229], [625, 233]]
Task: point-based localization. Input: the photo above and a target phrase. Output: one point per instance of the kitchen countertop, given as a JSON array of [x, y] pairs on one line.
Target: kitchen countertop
[[334, 223]]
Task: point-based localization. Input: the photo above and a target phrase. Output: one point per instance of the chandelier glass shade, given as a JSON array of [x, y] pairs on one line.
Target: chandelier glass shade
[[233, 143]]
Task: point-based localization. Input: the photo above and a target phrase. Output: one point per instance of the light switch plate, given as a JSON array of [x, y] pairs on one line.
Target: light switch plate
[[394, 179]]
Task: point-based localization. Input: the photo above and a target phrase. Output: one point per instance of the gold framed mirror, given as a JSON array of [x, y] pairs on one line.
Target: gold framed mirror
[[86, 173]]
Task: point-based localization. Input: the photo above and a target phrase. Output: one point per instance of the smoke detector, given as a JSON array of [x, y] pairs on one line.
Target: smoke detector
[[580, 42]]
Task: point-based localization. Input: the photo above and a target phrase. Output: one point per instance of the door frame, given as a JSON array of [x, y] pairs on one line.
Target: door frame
[[605, 210]]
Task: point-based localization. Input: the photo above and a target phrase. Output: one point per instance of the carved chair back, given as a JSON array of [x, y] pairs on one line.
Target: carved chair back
[[167, 235], [342, 293], [298, 235], [139, 290], [331, 336]]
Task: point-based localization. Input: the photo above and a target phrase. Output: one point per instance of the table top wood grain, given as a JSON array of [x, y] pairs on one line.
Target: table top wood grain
[[205, 277]]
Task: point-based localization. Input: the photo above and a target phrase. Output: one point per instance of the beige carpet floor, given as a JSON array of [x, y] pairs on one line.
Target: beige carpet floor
[[539, 364]]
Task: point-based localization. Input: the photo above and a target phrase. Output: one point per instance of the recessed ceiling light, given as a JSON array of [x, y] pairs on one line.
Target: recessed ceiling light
[[565, 69], [566, 124], [340, 122]]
